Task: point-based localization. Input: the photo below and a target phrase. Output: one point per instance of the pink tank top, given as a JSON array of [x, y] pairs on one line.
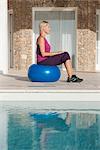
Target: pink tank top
[[47, 49]]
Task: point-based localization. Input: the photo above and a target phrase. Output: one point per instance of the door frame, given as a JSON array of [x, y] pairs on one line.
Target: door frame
[[34, 9], [10, 38], [97, 65]]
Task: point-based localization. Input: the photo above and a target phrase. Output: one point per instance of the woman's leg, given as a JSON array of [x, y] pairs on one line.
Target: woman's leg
[[68, 118], [60, 59], [68, 66]]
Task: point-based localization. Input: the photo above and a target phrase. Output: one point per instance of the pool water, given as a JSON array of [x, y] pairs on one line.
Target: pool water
[[43, 131]]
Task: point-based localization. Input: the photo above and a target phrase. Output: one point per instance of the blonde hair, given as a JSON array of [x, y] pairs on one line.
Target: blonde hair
[[43, 24]]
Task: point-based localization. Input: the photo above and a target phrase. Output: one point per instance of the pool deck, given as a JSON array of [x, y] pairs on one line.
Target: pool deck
[[16, 86], [19, 81]]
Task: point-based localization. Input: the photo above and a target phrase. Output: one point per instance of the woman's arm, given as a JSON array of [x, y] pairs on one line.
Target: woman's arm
[[42, 49]]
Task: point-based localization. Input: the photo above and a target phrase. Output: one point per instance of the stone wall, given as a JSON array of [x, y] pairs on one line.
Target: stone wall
[[86, 31], [22, 37], [86, 50]]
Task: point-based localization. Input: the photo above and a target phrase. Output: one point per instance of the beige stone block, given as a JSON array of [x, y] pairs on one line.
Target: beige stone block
[[84, 120]]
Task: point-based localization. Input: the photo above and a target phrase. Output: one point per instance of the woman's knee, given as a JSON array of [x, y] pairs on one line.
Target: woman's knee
[[66, 55]]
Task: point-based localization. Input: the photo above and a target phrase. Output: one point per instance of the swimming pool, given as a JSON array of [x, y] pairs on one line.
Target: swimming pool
[[53, 131]]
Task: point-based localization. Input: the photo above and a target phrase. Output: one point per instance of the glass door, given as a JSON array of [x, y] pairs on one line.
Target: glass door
[[68, 33]]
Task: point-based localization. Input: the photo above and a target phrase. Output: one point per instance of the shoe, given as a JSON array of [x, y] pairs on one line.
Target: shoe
[[74, 78]]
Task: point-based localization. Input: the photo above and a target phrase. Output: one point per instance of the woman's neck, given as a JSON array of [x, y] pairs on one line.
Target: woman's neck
[[43, 34]]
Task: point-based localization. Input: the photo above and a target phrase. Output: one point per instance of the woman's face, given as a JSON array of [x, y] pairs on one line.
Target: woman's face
[[47, 29]]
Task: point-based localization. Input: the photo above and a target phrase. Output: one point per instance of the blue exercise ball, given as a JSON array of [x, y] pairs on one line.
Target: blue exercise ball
[[43, 73]]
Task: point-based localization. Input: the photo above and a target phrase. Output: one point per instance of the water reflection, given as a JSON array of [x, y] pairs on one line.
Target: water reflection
[[50, 130], [56, 131]]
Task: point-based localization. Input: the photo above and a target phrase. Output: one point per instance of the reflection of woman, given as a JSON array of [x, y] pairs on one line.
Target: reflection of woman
[[47, 126], [45, 57]]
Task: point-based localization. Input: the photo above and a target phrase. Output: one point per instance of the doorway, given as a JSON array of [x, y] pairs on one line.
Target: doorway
[[63, 29]]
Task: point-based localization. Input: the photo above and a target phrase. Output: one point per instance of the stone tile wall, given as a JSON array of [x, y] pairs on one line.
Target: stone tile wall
[[86, 31]]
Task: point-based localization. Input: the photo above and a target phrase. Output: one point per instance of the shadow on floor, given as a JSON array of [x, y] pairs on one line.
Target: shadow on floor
[[24, 78], [21, 78]]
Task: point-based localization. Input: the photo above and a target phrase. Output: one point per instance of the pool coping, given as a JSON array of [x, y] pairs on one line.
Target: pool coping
[[49, 95]]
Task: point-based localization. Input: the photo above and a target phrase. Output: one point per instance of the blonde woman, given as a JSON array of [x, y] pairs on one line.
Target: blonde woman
[[46, 57]]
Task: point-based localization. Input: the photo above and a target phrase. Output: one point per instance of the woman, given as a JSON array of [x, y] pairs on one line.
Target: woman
[[46, 57]]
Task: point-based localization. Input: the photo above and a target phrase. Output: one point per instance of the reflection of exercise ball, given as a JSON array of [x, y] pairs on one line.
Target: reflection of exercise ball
[[39, 116], [43, 73]]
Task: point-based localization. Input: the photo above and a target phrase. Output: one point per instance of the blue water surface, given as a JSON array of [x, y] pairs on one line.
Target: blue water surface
[[49, 131]]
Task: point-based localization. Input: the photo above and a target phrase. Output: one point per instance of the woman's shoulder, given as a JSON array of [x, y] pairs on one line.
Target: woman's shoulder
[[40, 39]]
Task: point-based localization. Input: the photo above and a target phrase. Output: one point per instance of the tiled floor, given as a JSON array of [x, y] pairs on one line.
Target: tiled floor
[[20, 82]]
